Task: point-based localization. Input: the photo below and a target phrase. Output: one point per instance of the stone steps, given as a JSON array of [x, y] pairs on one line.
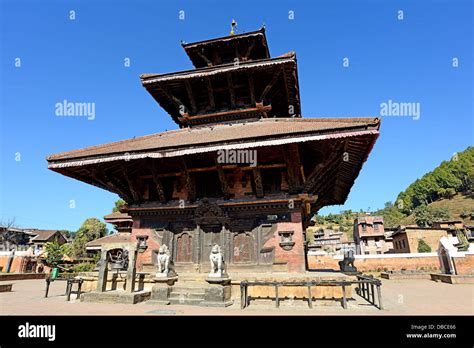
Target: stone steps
[[190, 295], [186, 301]]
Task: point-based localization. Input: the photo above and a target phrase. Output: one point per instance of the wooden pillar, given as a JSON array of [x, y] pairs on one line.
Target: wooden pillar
[[188, 182], [344, 299], [258, 182], [379, 295]]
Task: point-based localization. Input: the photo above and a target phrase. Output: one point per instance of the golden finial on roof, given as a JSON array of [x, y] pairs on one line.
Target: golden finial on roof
[[232, 27]]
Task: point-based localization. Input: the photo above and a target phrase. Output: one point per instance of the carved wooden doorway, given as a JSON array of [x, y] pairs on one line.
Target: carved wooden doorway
[[184, 248], [243, 245], [209, 237]]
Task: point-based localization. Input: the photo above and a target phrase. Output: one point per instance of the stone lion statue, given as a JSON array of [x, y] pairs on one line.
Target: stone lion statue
[[165, 265], [217, 262]]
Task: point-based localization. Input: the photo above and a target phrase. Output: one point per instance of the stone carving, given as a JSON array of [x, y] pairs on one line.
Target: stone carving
[[217, 263], [165, 264], [286, 240], [347, 264], [118, 258], [209, 213]]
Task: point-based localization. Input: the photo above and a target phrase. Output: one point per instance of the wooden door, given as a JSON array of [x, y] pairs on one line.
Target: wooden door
[[184, 248], [243, 246], [208, 241]]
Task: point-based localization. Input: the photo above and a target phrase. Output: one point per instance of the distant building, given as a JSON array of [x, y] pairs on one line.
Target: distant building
[[12, 238], [41, 237], [449, 224], [469, 232], [370, 236], [122, 223], [331, 241], [407, 238]]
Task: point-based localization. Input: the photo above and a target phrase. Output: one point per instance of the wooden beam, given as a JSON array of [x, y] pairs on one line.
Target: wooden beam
[[178, 103], [214, 168], [260, 108], [188, 182], [192, 101], [263, 109], [251, 89], [258, 182], [292, 159], [314, 176], [249, 50], [99, 175], [231, 90], [210, 93], [223, 180], [287, 92], [267, 89], [157, 181], [131, 186], [208, 62]]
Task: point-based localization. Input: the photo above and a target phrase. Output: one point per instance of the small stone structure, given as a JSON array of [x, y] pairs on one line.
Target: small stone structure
[[219, 293], [451, 260], [347, 264], [218, 270], [164, 278], [125, 258]]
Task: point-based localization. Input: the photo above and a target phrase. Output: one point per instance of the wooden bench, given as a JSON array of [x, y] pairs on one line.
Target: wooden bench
[[362, 283]]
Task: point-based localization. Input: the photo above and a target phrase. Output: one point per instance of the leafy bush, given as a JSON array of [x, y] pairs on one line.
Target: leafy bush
[[84, 267], [423, 247]]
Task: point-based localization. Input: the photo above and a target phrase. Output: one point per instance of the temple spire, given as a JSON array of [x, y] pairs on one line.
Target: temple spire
[[232, 27]]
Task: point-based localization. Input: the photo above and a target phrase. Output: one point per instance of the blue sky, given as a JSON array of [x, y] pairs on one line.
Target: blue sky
[[82, 60]]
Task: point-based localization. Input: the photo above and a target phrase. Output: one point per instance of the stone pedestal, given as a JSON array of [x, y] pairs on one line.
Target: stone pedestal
[[217, 295], [160, 292], [115, 296], [219, 292]]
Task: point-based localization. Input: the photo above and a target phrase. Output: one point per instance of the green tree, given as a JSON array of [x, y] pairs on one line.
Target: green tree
[[455, 175], [392, 216], [423, 247], [54, 252], [425, 216], [118, 204], [91, 229]]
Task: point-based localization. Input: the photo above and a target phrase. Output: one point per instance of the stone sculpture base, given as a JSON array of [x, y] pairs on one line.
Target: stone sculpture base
[[217, 295], [160, 292], [116, 296], [165, 279]]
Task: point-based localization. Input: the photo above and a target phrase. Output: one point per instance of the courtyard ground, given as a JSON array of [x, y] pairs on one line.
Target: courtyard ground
[[400, 297]]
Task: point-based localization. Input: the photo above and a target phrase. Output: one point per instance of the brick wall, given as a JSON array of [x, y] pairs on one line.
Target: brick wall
[[294, 258], [464, 265], [365, 263], [145, 257]]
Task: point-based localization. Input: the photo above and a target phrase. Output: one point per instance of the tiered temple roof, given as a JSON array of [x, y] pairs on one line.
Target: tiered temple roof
[[238, 97]]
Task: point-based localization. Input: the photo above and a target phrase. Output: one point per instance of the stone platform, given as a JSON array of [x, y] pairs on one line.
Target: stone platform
[[116, 296], [452, 278], [319, 292], [191, 288], [6, 287], [401, 275]]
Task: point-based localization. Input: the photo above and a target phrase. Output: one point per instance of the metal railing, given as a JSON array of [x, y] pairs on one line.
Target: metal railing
[[365, 289]]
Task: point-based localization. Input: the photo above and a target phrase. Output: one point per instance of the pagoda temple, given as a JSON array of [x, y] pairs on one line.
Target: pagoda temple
[[243, 170]]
